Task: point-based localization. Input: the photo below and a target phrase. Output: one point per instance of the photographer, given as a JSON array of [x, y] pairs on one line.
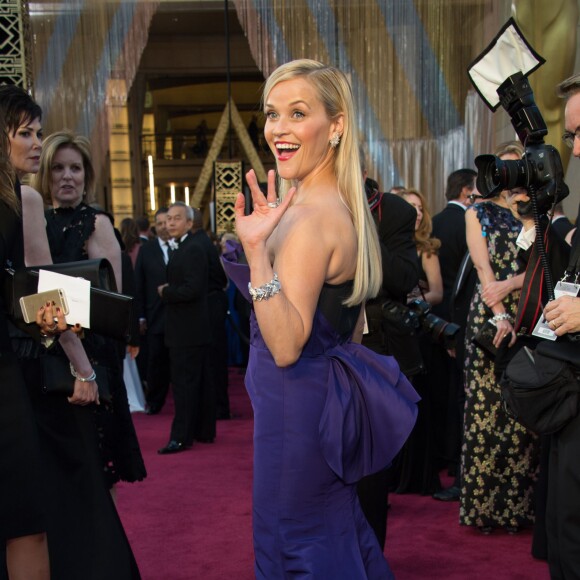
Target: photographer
[[395, 220], [563, 317], [556, 535]]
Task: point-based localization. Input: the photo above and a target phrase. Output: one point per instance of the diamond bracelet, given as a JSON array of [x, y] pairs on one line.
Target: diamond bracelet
[[266, 291], [501, 316]]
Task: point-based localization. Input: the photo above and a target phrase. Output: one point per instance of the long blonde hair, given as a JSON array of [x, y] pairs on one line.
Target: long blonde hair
[[335, 94]]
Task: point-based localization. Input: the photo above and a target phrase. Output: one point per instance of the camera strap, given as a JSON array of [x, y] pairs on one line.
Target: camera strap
[[573, 270]]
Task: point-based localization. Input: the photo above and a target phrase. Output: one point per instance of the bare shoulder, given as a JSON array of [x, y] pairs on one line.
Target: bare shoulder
[[30, 195], [103, 223]]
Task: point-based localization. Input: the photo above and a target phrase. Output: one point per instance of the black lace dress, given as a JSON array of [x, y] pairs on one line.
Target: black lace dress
[[68, 232]]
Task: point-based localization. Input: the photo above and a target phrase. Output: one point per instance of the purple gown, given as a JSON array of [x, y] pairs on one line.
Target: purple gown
[[339, 413]]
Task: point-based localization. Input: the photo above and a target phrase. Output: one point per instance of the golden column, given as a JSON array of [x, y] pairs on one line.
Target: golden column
[[15, 63]]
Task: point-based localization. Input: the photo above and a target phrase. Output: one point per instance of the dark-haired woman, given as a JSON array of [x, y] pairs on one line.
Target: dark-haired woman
[[22, 518], [85, 536]]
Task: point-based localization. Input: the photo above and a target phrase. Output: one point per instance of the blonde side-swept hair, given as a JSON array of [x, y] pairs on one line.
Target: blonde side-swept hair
[[335, 94], [59, 140]]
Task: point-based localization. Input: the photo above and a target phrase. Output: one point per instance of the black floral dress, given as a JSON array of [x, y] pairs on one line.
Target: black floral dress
[[499, 460]]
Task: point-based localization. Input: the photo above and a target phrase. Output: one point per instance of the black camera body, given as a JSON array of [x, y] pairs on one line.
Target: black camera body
[[540, 171], [416, 318]]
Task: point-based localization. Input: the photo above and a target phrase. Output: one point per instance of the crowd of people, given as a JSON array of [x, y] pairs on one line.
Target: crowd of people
[[324, 277]]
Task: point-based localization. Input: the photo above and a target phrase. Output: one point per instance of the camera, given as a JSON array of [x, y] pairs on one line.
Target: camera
[[540, 171], [416, 317]]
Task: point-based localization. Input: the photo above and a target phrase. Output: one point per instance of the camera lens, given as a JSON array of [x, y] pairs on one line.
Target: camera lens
[[495, 175]]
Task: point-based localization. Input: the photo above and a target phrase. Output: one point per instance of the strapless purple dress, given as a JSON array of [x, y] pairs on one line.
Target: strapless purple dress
[[339, 413]]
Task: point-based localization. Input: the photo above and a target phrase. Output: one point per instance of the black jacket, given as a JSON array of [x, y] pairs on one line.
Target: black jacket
[[150, 273], [187, 321]]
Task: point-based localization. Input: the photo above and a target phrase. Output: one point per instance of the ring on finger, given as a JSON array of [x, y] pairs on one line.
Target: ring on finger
[[274, 204]]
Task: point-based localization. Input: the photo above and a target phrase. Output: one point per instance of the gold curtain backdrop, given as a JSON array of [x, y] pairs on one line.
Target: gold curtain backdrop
[[78, 47], [407, 60]]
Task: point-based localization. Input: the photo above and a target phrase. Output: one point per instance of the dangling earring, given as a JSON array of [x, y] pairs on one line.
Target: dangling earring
[[335, 140]]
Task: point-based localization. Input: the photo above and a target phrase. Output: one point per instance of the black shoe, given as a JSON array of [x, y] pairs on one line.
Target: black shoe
[[172, 447], [485, 530], [512, 530], [449, 494]]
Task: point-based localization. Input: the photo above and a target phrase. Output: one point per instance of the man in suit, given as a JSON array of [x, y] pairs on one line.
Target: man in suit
[[395, 219], [144, 229], [449, 228], [218, 308], [150, 273], [187, 327]]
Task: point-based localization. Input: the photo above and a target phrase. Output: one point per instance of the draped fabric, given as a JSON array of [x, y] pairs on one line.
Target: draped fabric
[[78, 47], [407, 62]]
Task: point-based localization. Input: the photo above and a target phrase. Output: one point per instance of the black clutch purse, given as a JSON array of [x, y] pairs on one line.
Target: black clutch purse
[[484, 339], [110, 311], [58, 380]]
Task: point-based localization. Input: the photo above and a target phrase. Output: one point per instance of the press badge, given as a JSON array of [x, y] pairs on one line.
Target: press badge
[[542, 330]]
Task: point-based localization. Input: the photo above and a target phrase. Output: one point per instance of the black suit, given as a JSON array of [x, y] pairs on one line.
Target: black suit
[[562, 226], [218, 308], [150, 273], [449, 227], [395, 220], [188, 336]]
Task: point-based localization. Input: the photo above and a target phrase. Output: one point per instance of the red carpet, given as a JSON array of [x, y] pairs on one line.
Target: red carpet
[[191, 518]]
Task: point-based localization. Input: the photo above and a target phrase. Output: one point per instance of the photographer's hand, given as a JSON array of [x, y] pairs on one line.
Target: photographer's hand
[[519, 195], [563, 314]]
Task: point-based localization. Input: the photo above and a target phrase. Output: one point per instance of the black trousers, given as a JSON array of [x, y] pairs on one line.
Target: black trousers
[[563, 509], [158, 371], [218, 307], [193, 394]]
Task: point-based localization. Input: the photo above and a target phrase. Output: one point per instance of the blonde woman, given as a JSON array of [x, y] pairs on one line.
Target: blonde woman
[[327, 411], [499, 458]]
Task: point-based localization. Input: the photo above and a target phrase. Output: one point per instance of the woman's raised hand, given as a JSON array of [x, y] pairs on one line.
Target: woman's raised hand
[[254, 229]]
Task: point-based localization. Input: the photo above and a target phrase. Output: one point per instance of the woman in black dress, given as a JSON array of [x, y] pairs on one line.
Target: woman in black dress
[[76, 231], [85, 536], [22, 520]]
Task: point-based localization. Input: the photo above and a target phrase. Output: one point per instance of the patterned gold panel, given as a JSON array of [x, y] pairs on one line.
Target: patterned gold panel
[[228, 183], [14, 62]]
